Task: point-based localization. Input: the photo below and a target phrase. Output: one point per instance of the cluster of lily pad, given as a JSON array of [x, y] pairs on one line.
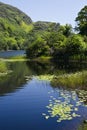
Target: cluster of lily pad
[[82, 94], [63, 107]]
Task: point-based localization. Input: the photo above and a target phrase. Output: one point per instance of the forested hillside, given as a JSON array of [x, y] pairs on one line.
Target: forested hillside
[[14, 26], [60, 41], [42, 38]]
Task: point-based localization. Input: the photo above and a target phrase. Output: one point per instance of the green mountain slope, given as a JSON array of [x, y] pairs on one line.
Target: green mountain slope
[[41, 28], [46, 26], [14, 26], [17, 31]]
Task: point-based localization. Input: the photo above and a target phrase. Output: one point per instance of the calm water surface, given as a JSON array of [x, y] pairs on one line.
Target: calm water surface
[[22, 102], [7, 54]]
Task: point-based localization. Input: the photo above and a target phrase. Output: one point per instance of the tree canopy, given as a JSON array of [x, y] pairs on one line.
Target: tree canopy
[[81, 20]]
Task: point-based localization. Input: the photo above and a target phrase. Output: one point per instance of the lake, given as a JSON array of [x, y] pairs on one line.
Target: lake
[[7, 54], [28, 101]]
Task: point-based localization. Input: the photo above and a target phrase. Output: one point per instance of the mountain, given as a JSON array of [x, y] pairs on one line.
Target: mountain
[[14, 25], [17, 30], [13, 14], [46, 26], [40, 29]]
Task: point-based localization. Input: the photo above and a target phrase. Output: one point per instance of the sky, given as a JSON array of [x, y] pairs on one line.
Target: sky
[[59, 11]]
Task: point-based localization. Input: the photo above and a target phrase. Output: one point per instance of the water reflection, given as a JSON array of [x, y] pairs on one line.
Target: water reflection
[[16, 79], [25, 107], [83, 126], [40, 68]]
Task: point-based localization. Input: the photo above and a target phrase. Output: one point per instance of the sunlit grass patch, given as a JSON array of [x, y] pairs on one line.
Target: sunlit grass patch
[[72, 80], [15, 58], [18, 57]]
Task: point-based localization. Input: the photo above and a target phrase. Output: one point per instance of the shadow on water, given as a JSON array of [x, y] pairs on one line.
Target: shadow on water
[[83, 126], [25, 108], [16, 79], [55, 67]]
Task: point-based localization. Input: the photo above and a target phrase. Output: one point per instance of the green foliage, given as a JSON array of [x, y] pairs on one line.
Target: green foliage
[[41, 38], [73, 80], [61, 44], [14, 27], [75, 45], [13, 14], [46, 26], [59, 40], [66, 30], [62, 107], [81, 20], [38, 48]]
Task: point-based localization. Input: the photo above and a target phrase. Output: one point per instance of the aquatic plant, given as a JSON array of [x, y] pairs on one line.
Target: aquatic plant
[[45, 77], [83, 126], [73, 80], [82, 94], [63, 107]]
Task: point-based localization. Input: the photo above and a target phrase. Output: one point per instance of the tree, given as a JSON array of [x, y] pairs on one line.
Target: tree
[[38, 48], [66, 30], [75, 45], [81, 20]]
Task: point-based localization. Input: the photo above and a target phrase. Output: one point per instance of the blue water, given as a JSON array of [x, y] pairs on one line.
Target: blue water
[[22, 102], [7, 54], [22, 110]]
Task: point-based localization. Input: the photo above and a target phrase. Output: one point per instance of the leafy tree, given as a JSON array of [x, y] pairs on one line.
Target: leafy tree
[[75, 45], [38, 48], [66, 30], [81, 20]]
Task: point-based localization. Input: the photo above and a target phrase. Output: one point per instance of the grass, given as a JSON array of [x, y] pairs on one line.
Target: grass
[[15, 58], [42, 59], [72, 80], [18, 57], [24, 58]]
